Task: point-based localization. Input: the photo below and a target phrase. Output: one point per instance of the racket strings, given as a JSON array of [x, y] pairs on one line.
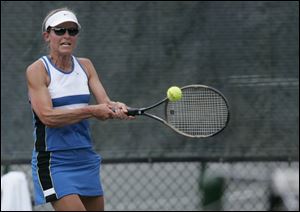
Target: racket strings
[[200, 112]]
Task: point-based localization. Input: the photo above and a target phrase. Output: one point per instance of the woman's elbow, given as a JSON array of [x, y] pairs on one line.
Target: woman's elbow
[[48, 120]]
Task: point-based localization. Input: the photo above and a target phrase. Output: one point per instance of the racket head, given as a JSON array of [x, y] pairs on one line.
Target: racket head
[[202, 112]]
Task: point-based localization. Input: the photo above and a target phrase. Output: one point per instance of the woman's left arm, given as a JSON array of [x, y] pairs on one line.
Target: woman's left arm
[[98, 90]]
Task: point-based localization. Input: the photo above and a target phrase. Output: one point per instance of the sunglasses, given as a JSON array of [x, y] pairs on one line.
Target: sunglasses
[[62, 31]]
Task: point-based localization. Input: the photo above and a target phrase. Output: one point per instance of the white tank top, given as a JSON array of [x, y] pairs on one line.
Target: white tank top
[[67, 90]]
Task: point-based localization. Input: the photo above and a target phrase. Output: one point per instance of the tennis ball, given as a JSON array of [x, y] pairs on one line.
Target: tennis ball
[[174, 93]]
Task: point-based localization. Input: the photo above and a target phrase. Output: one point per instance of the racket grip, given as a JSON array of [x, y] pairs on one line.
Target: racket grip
[[133, 111]]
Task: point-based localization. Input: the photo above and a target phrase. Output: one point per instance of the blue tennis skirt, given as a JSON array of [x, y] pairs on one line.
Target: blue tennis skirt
[[60, 173]]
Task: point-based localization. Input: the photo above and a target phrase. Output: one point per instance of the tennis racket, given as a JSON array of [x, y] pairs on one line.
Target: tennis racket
[[202, 112]]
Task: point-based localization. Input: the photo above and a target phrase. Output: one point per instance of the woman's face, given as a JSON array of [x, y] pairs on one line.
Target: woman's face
[[60, 40]]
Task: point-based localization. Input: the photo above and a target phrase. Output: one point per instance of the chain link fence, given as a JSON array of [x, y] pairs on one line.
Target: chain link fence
[[181, 186]]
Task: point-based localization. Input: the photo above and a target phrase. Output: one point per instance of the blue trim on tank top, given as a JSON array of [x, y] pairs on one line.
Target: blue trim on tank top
[[69, 100], [60, 70], [47, 67], [81, 67]]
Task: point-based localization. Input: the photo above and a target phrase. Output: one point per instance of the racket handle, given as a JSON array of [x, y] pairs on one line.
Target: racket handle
[[134, 111]]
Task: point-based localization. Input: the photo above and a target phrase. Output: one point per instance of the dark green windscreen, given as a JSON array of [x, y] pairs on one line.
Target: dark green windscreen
[[247, 50]]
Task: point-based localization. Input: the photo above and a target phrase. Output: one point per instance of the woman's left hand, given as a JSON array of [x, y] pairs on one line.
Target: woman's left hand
[[120, 111]]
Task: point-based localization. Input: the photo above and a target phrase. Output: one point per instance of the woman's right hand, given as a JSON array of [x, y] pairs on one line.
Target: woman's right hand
[[102, 111]]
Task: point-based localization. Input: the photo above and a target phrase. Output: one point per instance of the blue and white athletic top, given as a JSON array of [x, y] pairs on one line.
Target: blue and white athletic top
[[67, 90]]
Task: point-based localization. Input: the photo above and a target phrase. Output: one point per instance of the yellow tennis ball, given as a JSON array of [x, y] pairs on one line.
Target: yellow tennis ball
[[174, 93]]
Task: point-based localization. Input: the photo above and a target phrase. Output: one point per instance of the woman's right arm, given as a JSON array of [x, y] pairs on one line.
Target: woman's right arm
[[42, 105]]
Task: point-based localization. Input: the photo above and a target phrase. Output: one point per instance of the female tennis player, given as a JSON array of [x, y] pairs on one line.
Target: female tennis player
[[65, 168]]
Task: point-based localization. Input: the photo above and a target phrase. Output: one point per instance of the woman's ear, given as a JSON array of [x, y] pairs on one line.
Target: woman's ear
[[46, 36]]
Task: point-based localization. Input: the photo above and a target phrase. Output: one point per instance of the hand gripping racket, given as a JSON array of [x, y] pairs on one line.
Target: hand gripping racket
[[201, 112]]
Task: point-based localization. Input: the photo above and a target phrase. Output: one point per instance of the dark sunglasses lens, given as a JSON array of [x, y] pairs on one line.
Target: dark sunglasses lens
[[73, 32], [60, 31]]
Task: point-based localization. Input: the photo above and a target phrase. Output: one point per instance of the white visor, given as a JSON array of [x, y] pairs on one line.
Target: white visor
[[61, 17]]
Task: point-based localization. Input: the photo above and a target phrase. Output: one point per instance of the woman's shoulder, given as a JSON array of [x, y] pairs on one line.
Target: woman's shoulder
[[38, 64], [84, 60], [37, 71]]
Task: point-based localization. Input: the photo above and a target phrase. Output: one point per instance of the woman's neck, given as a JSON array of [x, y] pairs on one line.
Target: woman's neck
[[63, 62]]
